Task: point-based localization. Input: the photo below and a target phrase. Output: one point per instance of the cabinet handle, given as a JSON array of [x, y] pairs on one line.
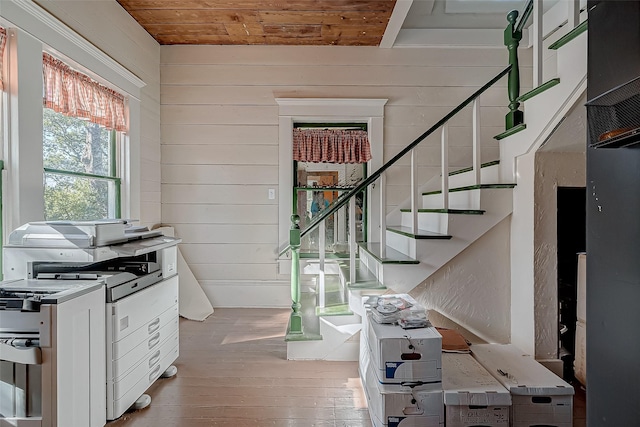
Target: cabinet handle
[[154, 373], [154, 340], [154, 359], [154, 326]]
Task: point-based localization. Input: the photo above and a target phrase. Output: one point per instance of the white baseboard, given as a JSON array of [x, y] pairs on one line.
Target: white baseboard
[[247, 294]]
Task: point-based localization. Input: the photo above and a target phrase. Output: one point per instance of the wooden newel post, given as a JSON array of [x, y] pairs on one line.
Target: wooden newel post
[[295, 322], [512, 38]]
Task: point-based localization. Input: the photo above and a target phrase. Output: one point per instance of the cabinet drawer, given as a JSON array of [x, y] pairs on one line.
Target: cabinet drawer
[[147, 348], [122, 394], [142, 334], [137, 310], [147, 368]]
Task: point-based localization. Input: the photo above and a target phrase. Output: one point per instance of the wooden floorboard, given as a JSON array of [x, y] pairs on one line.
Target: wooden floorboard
[[232, 371]]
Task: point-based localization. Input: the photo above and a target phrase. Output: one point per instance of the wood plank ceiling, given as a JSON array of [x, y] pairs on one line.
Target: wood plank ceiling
[[263, 22]]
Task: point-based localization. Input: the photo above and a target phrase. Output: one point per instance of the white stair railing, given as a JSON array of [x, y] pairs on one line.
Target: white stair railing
[[382, 182], [477, 158], [414, 191], [444, 160]]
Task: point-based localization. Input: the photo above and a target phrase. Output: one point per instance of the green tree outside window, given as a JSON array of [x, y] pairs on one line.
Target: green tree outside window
[[80, 180]]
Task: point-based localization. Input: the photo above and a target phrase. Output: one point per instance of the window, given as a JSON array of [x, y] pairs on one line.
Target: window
[[80, 123], [80, 173]]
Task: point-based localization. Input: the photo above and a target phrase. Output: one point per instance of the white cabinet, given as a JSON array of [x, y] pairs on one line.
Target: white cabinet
[[142, 342]]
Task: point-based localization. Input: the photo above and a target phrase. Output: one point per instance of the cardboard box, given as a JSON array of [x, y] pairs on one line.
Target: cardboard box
[[395, 406], [552, 411], [581, 309], [365, 361], [538, 396], [472, 396], [400, 355], [580, 360]]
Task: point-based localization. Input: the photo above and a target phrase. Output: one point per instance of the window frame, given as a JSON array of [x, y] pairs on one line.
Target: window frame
[[113, 176], [34, 30]]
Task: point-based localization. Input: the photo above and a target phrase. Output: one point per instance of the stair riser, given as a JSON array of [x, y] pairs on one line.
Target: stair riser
[[487, 199], [372, 264], [429, 221], [489, 174], [468, 199], [402, 244], [402, 278]]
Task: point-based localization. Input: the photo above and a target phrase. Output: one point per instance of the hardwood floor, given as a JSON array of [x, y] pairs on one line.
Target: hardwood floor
[[232, 371]]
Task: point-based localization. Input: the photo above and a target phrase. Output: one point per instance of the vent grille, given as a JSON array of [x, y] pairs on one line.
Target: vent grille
[[614, 117]]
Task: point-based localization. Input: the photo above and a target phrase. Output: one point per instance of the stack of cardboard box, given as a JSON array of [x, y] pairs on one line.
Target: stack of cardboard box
[[538, 396], [401, 372]]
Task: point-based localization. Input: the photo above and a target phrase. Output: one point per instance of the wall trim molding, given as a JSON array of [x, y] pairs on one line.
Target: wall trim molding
[[35, 20], [346, 110]]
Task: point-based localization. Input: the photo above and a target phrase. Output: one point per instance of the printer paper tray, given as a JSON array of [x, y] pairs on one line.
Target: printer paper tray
[[144, 246], [118, 292]]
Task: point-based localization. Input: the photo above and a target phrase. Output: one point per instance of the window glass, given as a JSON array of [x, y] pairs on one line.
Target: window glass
[[79, 180]]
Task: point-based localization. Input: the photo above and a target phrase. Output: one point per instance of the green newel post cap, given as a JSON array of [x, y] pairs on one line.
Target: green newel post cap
[[512, 39], [510, 34]]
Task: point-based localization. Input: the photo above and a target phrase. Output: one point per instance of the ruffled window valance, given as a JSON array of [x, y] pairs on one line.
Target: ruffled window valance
[[75, 94], [331, 146], [3, 42]]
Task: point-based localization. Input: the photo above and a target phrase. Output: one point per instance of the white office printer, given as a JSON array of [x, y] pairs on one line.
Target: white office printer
[[49, 269]]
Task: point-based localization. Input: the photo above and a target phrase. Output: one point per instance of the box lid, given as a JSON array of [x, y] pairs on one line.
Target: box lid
[[520, 373], [387, 331], [465, 382]]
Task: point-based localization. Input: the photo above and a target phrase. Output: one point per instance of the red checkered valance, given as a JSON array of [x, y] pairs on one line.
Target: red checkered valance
[[74, 94], [331, 146]]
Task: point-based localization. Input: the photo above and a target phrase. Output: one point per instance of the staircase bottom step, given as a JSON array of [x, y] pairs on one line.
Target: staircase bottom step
[[334, 310]]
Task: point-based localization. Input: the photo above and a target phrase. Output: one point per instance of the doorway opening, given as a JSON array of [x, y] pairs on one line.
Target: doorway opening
[[571, 234], [317, 184]]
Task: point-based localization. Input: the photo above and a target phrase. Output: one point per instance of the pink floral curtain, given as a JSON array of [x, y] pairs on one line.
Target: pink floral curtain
[[3, 42], [331, 146], [74, 94]]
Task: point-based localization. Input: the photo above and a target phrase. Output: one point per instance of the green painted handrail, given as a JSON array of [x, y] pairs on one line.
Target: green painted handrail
[[526, 13]]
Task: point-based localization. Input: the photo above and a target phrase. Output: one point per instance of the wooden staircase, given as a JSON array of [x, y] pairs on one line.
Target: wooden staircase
[[412, 258], [410, 255]]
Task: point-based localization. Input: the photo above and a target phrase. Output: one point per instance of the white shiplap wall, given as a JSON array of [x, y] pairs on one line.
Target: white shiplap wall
[[110, 28], [220, 140]]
